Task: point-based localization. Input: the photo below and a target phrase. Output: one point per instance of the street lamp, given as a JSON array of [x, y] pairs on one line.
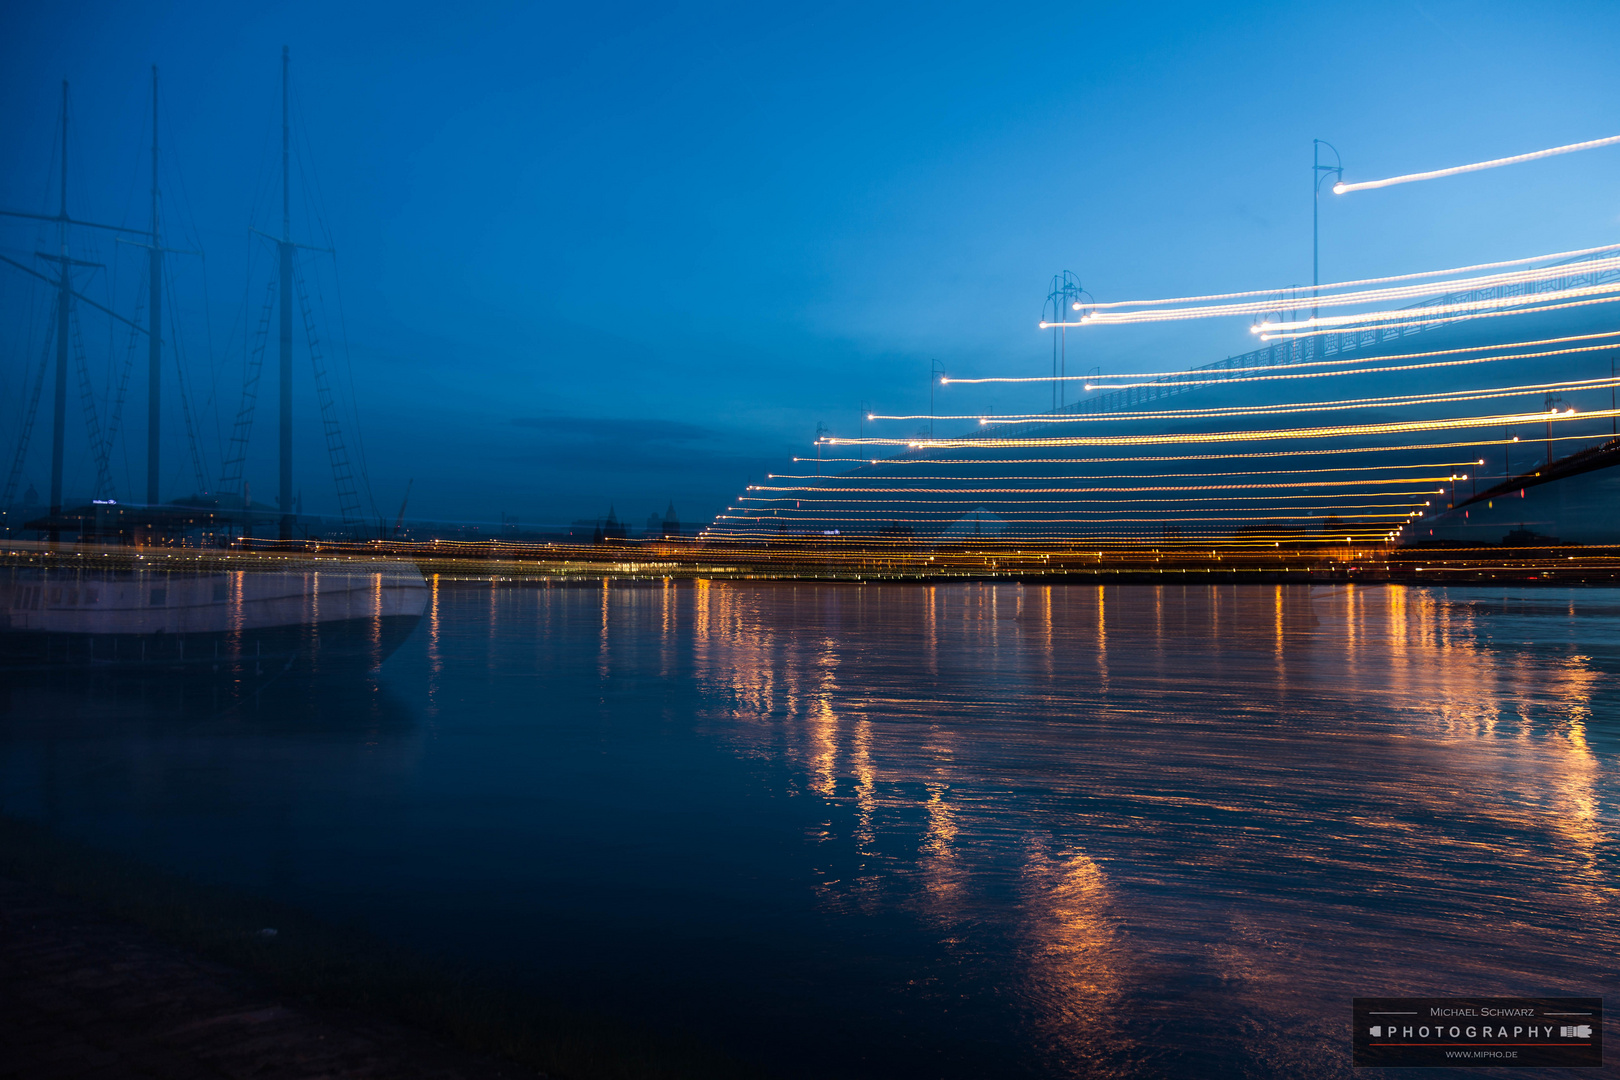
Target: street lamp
[[1319, 172]]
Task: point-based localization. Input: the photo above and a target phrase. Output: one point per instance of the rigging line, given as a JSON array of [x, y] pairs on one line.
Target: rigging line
[[354, 395], [30, 415], [199, 467], [92, 423], [116, 420]]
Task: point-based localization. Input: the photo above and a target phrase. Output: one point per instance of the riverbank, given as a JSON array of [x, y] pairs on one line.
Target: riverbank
[[112, 968]]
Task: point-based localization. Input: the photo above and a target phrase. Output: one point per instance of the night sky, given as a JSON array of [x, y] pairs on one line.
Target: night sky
[[636, 254]]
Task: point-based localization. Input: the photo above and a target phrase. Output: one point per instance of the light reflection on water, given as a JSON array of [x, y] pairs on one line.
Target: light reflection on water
[[935, 831]]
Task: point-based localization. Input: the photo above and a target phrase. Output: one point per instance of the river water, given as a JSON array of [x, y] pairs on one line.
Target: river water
[[905, 831]]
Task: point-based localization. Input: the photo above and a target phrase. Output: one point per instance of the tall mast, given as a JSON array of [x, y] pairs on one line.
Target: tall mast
[[154, 353], [285, 253], [64, 294]]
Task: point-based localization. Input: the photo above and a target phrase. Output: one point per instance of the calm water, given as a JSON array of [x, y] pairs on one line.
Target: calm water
[[964, 831]]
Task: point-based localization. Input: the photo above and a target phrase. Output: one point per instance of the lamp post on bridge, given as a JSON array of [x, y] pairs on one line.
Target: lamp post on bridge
[[1319, 172], [1064, 297]]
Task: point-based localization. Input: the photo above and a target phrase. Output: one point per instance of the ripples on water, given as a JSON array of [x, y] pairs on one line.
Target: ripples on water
[[966, 830]]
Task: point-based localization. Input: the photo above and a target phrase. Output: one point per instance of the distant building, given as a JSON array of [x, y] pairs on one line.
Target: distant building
[[611, 528]]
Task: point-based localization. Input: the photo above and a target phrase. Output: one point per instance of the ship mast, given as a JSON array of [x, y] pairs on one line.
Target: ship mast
[[285, 251], [154, 350], [63, 296]]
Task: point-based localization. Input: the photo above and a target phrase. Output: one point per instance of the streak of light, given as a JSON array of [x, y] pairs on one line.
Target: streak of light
[[1423, 313], [1176, 375], [821, 505], [1095, 516], [1381, 368], [1272, 434], [1560, 255], [1341, 188], [1286, 408], [1295, 300], [1269, 455], [1143, 476], [1530, 308], [1084, 490]]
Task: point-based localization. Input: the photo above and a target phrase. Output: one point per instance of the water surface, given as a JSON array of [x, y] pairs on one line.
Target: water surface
[[955, 831]]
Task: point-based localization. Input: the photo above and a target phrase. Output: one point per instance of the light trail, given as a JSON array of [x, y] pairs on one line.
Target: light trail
[[1146, 476], [1379, 370], [1270, 435], [1425, 314], [1289, 408], [1110, 490], [1530, 309], [1373, 296], [769, 502], [1175, 375], [1317, 514], [1269, 455], [1342, 188], [1361, 281]]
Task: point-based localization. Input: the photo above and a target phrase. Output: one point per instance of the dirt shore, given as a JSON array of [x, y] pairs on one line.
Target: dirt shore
[[82, 996]]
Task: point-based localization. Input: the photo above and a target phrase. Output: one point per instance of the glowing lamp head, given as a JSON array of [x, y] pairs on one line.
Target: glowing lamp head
[[1340, 188], [1043, 324], [1076, 305]]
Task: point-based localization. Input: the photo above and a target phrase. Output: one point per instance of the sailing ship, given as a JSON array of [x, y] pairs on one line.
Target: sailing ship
[[325, 616]]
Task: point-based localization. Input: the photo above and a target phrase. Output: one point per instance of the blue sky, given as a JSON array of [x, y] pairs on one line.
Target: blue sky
[[637, 253]]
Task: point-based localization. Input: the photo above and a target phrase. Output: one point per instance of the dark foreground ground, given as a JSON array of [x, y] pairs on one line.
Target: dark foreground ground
[[110, 968], [82, 996]]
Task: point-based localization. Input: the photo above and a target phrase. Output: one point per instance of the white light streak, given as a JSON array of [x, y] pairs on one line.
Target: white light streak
[[1262, 435], [1531, 308], [1378, 370], [1342, 188], [1558, 256], [1230, 411]]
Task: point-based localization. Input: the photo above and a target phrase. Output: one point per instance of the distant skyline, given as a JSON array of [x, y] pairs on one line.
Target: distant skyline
[[637, 256]]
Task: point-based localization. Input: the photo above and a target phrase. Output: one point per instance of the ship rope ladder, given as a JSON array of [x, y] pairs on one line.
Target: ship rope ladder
[[199, 471], [236, 456], [8, 498], [342, 471], [115, 420], [87, 398]]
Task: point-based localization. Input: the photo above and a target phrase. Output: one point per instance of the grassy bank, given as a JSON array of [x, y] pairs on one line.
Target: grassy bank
[[322, 965]]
